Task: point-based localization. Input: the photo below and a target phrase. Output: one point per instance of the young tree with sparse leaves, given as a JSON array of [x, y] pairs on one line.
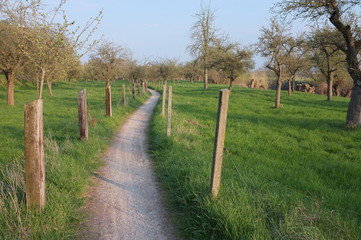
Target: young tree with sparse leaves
[[107, 62], [203, 35], [326, 55], [296, 61], [231, 60], [276, 43]]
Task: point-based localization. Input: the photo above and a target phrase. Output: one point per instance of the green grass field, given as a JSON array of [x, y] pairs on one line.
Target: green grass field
[[289, 173], [69, 161]]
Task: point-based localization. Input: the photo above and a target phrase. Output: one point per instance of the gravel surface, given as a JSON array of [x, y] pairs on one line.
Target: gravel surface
[[127, 202]]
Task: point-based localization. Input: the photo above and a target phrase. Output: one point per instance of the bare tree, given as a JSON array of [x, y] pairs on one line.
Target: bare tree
[[203, 35], [107, 61], [191, 71], [296, 61], [166, 69], [326, 54], [275, 43], [340, 14], [231, 60]]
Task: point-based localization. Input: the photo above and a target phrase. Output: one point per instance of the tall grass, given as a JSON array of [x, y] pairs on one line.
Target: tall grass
[[69, 161], [289, 173]]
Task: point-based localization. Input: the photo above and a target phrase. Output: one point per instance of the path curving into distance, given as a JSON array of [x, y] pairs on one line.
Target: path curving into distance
[[127, 204]]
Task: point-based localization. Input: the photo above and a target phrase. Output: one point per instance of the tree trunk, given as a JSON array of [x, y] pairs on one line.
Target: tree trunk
[[49, 84], [133, 90], [354, 108], [205, 78], [329, 78], [293, 85], [278, 94], [329, 85], [10, 81], [41, 83], [37, 80], [338, 90], [230, 84], [289, 87], [253, 82], [108, 101]]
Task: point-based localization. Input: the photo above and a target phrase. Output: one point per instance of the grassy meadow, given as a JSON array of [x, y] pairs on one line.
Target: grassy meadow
[[69, 161], [289, 173]]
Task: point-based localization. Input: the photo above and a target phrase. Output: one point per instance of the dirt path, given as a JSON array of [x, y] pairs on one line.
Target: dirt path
[[127, 203]]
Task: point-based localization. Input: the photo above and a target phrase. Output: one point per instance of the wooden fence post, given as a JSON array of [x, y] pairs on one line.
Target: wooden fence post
[[143, 87], [82, 115], [219, 141], [108, 102], [169, 115], [164, 96], [34, 154], [123, 95]]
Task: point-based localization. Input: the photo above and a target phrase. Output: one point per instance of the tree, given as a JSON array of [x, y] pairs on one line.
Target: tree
[[340, 14], [204, 35], [276, 43], [107, 61], [191, 71], [231, 60], [166, 69], [296, 61], [12, 60], [326, 54], [49, 44], [11, 57]]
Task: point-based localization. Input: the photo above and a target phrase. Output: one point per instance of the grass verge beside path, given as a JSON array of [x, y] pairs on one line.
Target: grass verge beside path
[[69, 161], [289, 173]]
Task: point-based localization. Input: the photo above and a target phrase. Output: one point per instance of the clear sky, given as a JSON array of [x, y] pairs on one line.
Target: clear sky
[[161, 28]]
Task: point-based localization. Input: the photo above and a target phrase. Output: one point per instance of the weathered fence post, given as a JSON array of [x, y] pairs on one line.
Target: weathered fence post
[[82, 115], [169, 115], [219, 141], [34, 154], [123, 95], [143, 87], [164, 96], [108, 102]]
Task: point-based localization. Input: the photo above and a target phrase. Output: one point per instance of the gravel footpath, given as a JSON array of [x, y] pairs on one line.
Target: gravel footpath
[[127, 202]]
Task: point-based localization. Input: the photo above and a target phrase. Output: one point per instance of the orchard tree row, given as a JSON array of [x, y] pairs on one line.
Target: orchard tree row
[[330, 49], [36, 46], [42, 46]]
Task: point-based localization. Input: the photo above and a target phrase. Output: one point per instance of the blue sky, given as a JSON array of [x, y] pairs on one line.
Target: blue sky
[[161, 28]]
